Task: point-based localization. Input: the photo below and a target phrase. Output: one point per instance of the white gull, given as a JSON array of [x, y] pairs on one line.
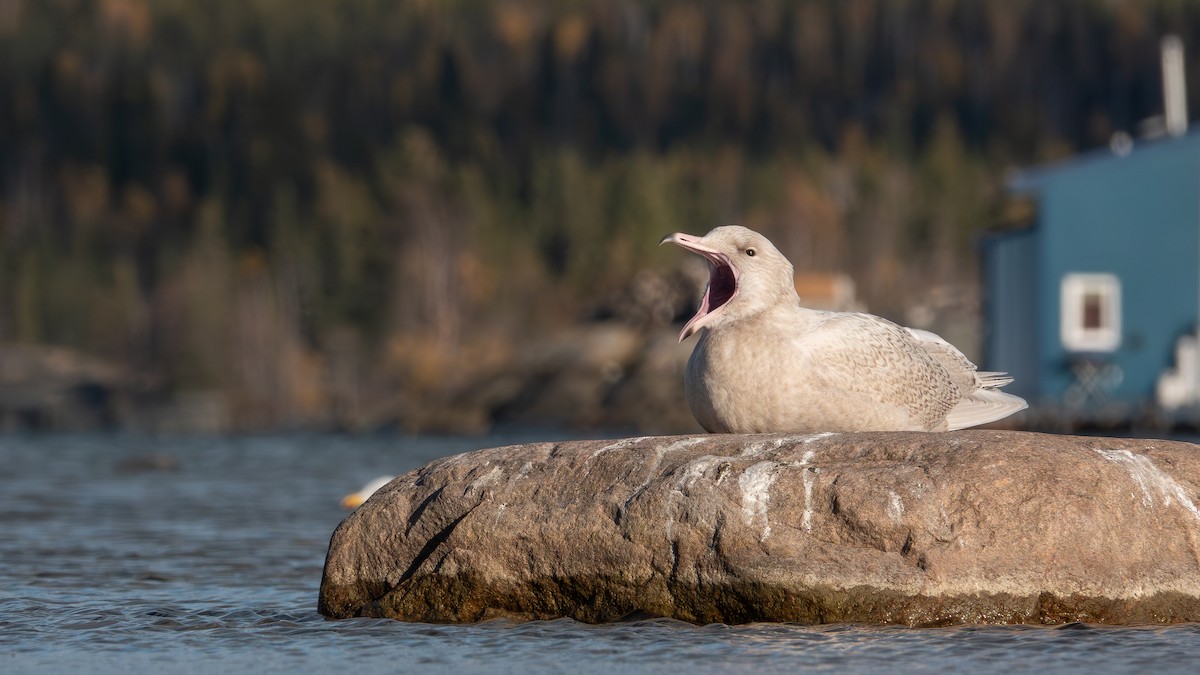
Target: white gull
[[764, 363]]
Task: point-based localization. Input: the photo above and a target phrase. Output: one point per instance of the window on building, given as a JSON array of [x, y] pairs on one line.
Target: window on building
[[1091, 312]]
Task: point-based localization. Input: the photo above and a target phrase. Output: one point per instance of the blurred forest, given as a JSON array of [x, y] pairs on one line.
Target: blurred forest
[[320, 208]]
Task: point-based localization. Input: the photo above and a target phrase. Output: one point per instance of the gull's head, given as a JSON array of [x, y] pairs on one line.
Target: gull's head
[[746, 275]]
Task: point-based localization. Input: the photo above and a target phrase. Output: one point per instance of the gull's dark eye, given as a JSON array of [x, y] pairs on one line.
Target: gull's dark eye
[[750, 252]]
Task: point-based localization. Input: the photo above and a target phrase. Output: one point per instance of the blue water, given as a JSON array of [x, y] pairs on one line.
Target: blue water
[[130, 555]]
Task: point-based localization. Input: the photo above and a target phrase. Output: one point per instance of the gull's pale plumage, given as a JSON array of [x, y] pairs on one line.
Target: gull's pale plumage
[[764, 363]]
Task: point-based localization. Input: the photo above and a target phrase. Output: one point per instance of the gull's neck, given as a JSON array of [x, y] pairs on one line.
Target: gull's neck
[[786, 315]]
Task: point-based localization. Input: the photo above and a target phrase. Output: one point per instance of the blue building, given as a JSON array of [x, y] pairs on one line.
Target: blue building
[[1094, 304]]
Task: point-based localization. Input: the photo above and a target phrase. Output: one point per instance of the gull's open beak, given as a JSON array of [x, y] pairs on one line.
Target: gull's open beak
[[722, 280], [689, 242]]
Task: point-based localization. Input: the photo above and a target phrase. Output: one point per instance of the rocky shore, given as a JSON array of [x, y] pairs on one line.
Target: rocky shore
[[606, 374], [901, 528]]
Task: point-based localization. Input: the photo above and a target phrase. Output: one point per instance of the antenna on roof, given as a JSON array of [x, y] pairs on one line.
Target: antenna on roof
[[1174, 86]]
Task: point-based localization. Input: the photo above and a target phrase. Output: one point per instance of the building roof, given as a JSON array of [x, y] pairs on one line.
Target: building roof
[[1034, 179]]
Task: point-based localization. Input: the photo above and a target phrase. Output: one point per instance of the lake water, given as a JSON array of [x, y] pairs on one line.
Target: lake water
[[130, 555]]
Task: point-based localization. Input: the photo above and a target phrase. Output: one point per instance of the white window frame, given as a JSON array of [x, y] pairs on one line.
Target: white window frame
[[1075, 336]]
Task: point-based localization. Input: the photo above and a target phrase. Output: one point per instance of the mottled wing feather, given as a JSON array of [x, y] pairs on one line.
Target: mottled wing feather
[[957, 365], [876, 358], [980, 402]]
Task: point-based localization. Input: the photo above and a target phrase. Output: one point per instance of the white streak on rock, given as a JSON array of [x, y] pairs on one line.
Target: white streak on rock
[[620, 445], [690, 473], [754, 449], [758, 448], [681, 444], [756, 483], [1150, 479], [895, 507], [694, 470], [807, 477], [487, 479], [816, 437], [661, 451]]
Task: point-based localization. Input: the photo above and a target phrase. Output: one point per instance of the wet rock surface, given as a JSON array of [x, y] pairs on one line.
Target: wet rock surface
[[972, 526]]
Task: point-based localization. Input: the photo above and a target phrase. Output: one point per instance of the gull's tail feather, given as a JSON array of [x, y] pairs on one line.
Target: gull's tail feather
[[983, 406], [993, 380]]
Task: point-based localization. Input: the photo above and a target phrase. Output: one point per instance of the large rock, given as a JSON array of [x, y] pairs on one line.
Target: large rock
[[910, 528]]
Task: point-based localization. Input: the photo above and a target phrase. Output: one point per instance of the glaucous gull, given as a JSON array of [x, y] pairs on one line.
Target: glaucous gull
[[764, 363]]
